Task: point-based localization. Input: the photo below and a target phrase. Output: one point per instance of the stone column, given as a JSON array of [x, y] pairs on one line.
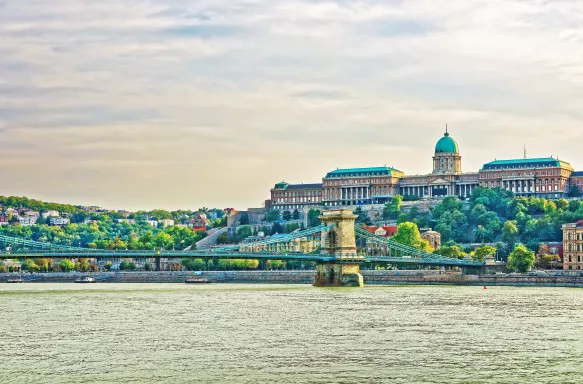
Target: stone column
[[339, 242]]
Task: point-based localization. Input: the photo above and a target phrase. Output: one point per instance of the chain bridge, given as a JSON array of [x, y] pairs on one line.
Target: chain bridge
[[342, 248]]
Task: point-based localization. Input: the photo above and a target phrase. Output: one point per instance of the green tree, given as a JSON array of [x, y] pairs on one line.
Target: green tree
[[243, 232], [30, 266], [66, 265], [163, 240], [521, 259], [287, 215], [313, 217], [548, 261], [272, 215], [482, 252], [362, 216], [147, 266], [244, 219], [107, 265], [408, 234], [574, 191], [510, 233], [296, 214], [223, 238], [393, 207], [451, 250]]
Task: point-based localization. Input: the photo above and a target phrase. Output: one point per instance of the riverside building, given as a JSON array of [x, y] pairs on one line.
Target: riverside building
[[540, 177], [573, 245]]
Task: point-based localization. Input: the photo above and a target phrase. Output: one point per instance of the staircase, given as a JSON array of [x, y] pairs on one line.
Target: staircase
[[211, 239]]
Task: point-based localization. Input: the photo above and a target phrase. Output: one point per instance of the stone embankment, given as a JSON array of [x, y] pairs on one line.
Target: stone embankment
[[307, 277]]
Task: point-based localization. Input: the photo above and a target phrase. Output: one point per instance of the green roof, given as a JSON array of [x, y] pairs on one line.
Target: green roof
[[281, 185], [446, 145], [534, 162], [362, 171]]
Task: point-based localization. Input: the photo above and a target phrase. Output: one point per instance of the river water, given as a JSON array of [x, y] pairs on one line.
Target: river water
[[172, 333]]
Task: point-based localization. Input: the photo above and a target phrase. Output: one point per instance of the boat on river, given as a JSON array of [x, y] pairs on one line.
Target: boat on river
[[197, 280], [15, 280], [85, 279]]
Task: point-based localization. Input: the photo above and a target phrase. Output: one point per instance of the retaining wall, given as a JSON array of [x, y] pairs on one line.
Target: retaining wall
[[307, 277]]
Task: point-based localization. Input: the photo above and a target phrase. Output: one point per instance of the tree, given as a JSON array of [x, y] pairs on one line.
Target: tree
[[30, 266], [243, 232], [244, 220], [43, 264], [451, 250], [272, 215], [296, 214], [362, 216], [482, 235], [520, 259], [82, 265], [162, 240], [393, 207], [223, 238], [66, 265], [482, 252], [147, 266], [313, 220], [408, 234], [287, 215], [108, 265], [547, 260], [574, 191], [509, 232]]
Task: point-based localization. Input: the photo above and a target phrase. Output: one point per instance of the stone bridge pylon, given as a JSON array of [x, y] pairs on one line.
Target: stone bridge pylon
[[340, 241]]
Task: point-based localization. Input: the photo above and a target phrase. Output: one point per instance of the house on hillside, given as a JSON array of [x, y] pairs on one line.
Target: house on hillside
[[199, 222], [51, 213]]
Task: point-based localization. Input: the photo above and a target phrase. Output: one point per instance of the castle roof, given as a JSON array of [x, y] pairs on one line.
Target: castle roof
[[446, 145], [526, 163], [369, 171]]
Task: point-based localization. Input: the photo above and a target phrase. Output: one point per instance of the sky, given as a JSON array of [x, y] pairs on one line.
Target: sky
[[175, 104]]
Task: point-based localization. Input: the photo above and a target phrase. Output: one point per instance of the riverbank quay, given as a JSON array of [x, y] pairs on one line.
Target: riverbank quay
[[377, 277]]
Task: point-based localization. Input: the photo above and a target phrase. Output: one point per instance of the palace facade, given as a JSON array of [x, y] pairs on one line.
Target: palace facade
[[543, 177]]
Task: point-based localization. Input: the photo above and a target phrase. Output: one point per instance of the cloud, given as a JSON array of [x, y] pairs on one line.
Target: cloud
[[189, 103]]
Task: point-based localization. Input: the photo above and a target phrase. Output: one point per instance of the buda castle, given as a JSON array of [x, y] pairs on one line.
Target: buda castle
[[542, 177]]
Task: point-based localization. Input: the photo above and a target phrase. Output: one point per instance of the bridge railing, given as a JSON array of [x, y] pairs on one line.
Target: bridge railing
[[407, 251], [283, 239]]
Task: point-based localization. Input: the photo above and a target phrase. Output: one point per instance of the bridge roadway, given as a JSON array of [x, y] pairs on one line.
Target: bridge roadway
[[436, 261]]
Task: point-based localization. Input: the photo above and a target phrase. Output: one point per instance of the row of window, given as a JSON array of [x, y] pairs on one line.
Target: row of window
[[493, 175], [298, 200], [571, 258], [576, 236], [355, 182]]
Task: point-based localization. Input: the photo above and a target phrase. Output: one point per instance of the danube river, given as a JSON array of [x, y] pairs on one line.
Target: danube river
[[172, 333]]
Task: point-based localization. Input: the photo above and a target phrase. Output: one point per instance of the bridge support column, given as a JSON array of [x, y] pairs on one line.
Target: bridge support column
[[338, 275], [343, 270]]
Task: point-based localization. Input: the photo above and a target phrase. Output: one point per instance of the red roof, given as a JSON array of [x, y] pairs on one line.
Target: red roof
[[390, 229]]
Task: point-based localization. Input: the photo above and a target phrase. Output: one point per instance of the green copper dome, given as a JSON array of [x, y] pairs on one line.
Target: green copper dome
[[446, 145]]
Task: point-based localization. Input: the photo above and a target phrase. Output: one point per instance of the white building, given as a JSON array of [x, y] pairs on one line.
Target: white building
[[129, 221], [58, 221], [50, 214], [27, 221], [166, 223], [153, 223]]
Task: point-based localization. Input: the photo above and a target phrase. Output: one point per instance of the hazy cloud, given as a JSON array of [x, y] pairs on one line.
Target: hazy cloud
[[144, 104]]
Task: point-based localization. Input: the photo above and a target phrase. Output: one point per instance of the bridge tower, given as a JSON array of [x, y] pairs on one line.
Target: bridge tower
[[339, 241]]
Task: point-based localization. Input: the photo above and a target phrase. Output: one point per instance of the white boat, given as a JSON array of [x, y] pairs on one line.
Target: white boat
[[85, 279]]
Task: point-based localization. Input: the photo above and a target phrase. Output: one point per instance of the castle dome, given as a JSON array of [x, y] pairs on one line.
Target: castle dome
[[446, 145]]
